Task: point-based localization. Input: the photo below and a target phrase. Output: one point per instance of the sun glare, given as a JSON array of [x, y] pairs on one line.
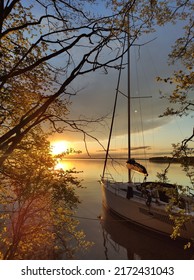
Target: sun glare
[[59, 147], [65, 165]]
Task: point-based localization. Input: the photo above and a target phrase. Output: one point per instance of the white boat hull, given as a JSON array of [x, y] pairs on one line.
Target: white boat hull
[[134, 209]]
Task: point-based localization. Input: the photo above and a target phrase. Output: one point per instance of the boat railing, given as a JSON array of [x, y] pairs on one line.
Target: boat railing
[[108, 177], [118, 188]]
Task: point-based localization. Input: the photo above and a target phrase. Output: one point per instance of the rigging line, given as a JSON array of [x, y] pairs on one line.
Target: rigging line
[[178, 126], [114, 109], [135, 97], [142, 127], [156, 74], [68, 215], [83, 218], [100, 218]]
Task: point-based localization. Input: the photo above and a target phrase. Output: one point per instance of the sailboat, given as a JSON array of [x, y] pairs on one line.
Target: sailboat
[[145, 203]]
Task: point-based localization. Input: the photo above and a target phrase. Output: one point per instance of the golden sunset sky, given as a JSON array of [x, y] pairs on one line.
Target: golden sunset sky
[[95, 99]]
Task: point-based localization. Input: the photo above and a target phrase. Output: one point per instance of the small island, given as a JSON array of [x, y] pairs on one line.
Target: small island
[[166, 159]]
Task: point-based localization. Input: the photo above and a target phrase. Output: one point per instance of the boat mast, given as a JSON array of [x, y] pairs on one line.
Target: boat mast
[[114, 111], [115, 103], [129, 97]]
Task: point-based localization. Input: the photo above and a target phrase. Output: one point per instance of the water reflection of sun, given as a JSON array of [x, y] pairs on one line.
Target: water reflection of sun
[[62, 165]]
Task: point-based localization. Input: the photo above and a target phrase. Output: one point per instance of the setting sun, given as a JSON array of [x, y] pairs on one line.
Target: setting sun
[[59, 147]]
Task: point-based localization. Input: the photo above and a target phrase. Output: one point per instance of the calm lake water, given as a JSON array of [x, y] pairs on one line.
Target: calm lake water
[[114, 238]]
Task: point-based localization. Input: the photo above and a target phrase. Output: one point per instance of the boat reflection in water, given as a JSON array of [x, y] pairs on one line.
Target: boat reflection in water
[[140, 243]]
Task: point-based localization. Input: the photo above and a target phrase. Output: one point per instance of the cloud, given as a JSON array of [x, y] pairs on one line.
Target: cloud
[[96, 99]]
